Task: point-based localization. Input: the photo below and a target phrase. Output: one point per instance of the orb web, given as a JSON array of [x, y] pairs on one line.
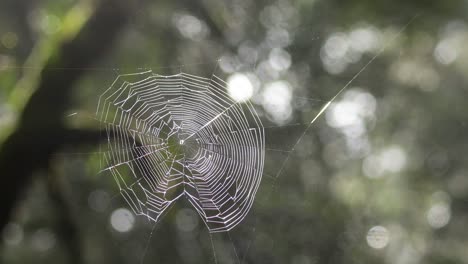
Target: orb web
[[182, 136]]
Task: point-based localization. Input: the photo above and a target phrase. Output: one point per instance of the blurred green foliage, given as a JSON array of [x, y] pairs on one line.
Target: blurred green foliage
[[389, 152]]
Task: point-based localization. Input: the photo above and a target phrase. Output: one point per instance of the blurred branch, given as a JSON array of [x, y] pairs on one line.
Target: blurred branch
[[67, 229], [41, 131]]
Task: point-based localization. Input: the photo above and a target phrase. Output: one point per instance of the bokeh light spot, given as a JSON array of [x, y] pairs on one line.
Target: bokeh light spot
[[12, 234], [240, 88], [378, 237], [276, 100], [122, 220], [186, 220], [439, 215], [9, 40]]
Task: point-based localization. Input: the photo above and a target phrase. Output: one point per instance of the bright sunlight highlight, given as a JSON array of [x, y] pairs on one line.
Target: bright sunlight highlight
[[240, 89]]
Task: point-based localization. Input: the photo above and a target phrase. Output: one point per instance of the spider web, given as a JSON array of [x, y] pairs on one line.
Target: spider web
[[182, 136]]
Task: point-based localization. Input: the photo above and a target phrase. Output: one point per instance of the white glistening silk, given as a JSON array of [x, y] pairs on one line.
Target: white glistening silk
[[182, 136]]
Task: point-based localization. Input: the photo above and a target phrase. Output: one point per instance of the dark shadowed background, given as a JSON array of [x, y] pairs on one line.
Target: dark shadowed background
[[380, 177]]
